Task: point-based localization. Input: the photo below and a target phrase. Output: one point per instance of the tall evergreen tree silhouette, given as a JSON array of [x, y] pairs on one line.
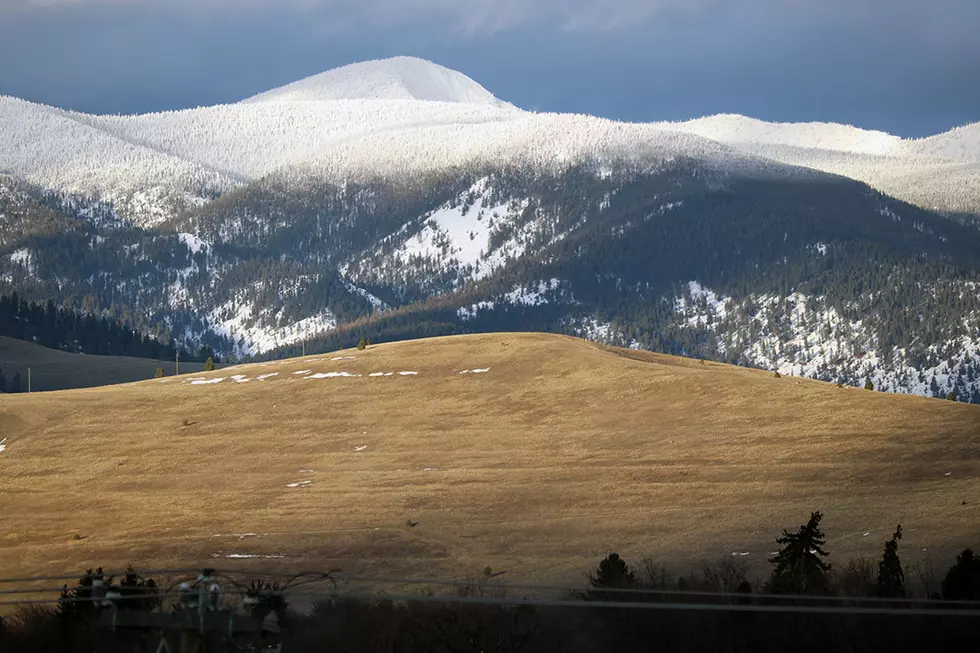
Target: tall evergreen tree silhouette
[[799, 568], [891, 577], [3, 382], [15, 384]]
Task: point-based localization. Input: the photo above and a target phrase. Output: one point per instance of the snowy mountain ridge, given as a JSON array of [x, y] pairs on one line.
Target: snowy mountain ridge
[[404, 117]]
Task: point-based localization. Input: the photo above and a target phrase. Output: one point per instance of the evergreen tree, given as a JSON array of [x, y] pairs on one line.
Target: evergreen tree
[[362, 345], [209, 364], [3, 382], [962, 581], [799, 568], [868, 385], [15, 385], [159, 373], [612, 572], [951, 396], [891, 577]]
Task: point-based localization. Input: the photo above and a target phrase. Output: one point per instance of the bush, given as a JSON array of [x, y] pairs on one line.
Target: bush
[[363, 344], [159, 373], [868, 385], [209, 364]]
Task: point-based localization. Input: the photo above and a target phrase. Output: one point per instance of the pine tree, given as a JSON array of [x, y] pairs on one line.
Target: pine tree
[[612, 572], [891, 577], [209, 364], [362, 345], [799, 568], [962, 581], [15, 385], [3, 382], [951, 396], [159, 373], [868, 385]]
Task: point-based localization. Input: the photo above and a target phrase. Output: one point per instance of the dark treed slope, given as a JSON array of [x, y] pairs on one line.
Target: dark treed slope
[[72, 331], [51, 369]]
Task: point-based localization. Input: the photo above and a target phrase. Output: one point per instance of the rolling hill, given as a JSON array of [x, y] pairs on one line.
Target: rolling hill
[[58, 370], [534, 454]]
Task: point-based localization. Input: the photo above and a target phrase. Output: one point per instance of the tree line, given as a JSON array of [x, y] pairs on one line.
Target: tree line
[[66, 329], [867, 606]]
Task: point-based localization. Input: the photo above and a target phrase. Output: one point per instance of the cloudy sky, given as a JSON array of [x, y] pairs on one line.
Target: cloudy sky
[[911, 67]]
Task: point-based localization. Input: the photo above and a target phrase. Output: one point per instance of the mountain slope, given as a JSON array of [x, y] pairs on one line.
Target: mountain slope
[[513, 465], [938, 173]]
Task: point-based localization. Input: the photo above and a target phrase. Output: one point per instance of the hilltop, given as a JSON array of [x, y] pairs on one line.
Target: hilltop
[[534, 454]]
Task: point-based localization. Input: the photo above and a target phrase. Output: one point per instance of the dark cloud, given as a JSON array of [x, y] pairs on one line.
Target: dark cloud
[[906, 66]]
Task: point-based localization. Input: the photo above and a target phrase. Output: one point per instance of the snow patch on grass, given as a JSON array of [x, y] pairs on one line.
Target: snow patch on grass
[[332, 375], [208, 381]]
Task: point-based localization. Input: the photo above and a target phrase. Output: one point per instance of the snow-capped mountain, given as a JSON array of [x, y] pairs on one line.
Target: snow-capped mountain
[[399, 198], [398, 78]]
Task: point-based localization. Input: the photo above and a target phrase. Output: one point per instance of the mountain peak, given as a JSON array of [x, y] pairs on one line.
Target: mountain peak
[[397, 78]]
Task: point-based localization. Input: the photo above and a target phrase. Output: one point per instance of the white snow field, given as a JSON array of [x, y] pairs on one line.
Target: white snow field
[[404, 115]]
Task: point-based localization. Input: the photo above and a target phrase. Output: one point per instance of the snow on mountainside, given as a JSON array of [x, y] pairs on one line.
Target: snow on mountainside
[[731, 128], [398, 78], [800, 335], [62, 150], [961, 144], [937, 173]]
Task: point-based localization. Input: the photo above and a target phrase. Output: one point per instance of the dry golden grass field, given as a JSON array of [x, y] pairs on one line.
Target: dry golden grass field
[[561, 452]]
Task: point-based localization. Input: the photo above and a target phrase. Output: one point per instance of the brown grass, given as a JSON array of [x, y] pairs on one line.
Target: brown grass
[[563, 452]]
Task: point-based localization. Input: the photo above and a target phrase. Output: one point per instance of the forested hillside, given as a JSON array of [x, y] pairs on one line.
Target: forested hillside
[[793, 271]]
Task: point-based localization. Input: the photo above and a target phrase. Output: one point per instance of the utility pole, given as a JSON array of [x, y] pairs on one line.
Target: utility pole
[[177, 372], [28, 379]]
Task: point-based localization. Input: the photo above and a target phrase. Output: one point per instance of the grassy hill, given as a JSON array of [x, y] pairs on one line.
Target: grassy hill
[[57, 370], [558, 453]]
